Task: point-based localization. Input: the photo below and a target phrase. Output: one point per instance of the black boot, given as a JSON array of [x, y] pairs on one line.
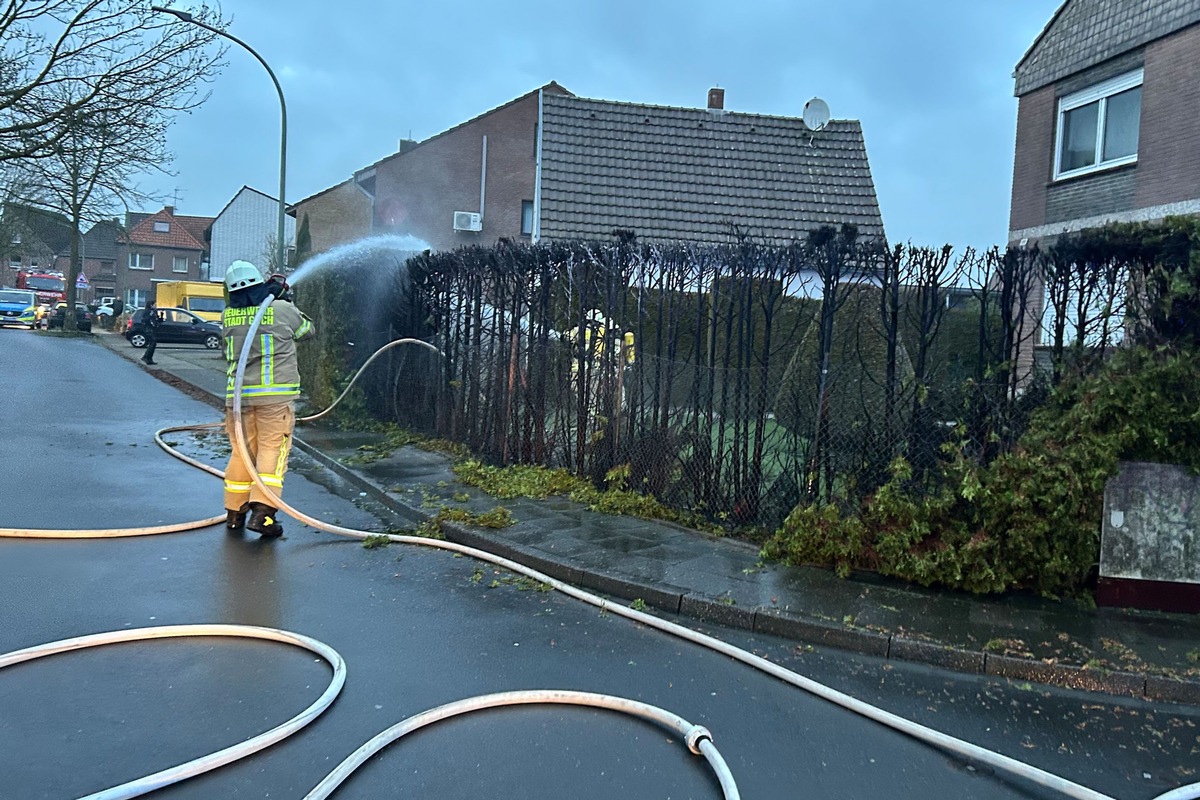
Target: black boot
[[262, 520], [236, 520]]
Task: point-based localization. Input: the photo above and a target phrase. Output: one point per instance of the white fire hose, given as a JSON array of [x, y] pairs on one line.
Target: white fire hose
[[698, 739]]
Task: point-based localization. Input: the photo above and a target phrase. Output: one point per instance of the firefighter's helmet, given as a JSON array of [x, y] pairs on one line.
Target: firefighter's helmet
[[242, 275]]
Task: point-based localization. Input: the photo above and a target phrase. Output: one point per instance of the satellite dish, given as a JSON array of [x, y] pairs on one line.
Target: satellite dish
[[816, 114]]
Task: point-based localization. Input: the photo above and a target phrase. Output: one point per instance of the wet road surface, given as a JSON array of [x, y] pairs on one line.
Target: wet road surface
[[417, 629]]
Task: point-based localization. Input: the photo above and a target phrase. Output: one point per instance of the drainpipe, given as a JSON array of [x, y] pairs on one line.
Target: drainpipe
[[483, 177], [537, 178]]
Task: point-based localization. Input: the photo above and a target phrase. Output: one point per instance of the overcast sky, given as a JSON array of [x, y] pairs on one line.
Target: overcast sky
[[931, 81]]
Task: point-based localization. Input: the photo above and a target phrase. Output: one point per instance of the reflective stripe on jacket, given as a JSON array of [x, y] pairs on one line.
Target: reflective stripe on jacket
[[272, 372]]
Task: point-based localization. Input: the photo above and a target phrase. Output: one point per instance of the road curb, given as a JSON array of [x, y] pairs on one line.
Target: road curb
[[770, 621], [797, 628]]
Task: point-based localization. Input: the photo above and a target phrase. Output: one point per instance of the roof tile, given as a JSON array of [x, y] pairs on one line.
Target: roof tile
[[678, 173]]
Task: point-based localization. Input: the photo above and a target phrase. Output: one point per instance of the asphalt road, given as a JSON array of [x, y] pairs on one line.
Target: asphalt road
[[419, 628]]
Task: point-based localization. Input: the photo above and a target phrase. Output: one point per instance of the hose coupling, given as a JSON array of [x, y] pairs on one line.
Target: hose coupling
[[695, 736]]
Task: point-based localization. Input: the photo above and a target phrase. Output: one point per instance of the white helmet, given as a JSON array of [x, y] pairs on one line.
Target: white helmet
[[242, 275]]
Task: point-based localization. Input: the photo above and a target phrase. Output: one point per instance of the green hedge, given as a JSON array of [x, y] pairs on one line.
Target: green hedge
[[1031, 518]]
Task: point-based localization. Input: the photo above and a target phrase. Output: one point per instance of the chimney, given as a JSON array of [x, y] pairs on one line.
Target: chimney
[[170, 210], [716, 99]]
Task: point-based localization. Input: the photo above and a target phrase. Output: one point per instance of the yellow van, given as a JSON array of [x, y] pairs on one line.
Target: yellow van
[[205, 299]]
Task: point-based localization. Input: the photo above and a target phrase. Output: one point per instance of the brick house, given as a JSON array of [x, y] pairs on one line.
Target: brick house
[[160, 247], [35, 238], [1107, 118], [245, 229], [549, 165], [100, 253]]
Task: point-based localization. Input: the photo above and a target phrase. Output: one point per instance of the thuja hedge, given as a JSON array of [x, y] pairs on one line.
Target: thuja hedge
[[1031, 518]]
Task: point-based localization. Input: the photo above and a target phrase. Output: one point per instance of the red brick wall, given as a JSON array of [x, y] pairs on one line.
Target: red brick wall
[[417, 193], [163, 268], [1169, 148], [337, 216], [1034, 161]]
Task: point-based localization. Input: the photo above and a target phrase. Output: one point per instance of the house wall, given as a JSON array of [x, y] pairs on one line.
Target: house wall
[[1169, 150], [144, 280], [1164, 181], [337, 216], [1034, 158], [245, 230], [418, 191]]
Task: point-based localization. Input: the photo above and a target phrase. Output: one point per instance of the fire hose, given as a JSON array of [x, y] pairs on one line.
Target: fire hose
[[698, 739]]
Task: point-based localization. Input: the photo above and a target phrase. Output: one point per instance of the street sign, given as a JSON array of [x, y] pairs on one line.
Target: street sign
[[81, 282]]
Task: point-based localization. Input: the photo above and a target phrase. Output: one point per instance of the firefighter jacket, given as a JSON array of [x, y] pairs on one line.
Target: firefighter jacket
[[272, 371]]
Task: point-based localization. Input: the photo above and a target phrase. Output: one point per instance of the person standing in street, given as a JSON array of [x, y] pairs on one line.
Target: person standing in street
[[270, 386], [152, 320]]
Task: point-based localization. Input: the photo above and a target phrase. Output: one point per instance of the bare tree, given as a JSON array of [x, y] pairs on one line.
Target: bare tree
[[60, 58], [96, 114]]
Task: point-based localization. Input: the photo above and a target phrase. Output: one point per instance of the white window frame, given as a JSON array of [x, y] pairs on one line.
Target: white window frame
[[532, 211], [162, 226], [175, 264], [138, 255], [1100, 92]]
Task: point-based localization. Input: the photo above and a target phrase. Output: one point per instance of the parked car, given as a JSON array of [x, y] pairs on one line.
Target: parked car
[[16, 307], [58, 314], [177, 326]]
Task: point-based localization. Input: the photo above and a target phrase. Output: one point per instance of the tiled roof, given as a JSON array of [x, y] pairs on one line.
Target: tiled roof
[[1084, 33], [674, 174], [100, 242], [53, 229], [186, 233]]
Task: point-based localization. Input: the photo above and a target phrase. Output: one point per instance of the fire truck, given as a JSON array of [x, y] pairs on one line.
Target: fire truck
[[50, 287]]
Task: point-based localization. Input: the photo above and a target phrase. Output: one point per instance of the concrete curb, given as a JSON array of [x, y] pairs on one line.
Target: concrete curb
[[770, 621], [797, 628]]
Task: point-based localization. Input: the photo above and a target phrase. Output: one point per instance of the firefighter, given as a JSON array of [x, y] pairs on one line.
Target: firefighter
[[270, 386]]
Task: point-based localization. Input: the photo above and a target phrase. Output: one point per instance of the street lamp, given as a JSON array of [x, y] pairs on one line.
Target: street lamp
[[281, 252]]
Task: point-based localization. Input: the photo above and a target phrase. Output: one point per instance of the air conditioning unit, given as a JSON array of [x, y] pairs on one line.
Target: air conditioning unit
[[468, 221]]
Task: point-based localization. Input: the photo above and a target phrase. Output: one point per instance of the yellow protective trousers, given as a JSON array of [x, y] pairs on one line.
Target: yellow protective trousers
[[269, 438]]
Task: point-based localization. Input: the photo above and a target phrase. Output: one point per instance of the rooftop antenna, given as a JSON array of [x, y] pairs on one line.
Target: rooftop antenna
[[816, 116]]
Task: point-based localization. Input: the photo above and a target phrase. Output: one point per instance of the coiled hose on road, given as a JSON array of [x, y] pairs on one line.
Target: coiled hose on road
[[698, 739]]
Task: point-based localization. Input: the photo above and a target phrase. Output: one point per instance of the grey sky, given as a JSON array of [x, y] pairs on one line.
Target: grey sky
[[930, 81]]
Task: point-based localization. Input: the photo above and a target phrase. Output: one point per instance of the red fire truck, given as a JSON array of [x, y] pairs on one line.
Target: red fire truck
[[50, 287]]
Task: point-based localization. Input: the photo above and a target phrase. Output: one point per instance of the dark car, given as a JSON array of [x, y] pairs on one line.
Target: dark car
[[177, 326], [56, 316]]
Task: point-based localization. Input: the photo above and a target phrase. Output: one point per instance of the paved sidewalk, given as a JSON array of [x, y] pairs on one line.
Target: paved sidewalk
[[1130, 653]]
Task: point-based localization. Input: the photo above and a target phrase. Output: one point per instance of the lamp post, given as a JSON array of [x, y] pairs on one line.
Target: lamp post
[[281, 243]]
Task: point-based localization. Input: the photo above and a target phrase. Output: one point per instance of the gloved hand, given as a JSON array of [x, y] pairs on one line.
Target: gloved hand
[[277, 286]]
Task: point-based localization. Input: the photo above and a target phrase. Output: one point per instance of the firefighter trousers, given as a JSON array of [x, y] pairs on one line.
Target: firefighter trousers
[[269, 439]]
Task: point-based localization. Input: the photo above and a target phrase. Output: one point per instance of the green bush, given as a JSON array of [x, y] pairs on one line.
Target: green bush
[[1031, 518]]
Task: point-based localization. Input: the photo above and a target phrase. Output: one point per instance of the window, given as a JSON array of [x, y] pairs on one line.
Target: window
[[527, 217], [141, 260], [212, 305], [162, 227], [1098, 127], [14, 262], [135, 298], [179, 264]]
